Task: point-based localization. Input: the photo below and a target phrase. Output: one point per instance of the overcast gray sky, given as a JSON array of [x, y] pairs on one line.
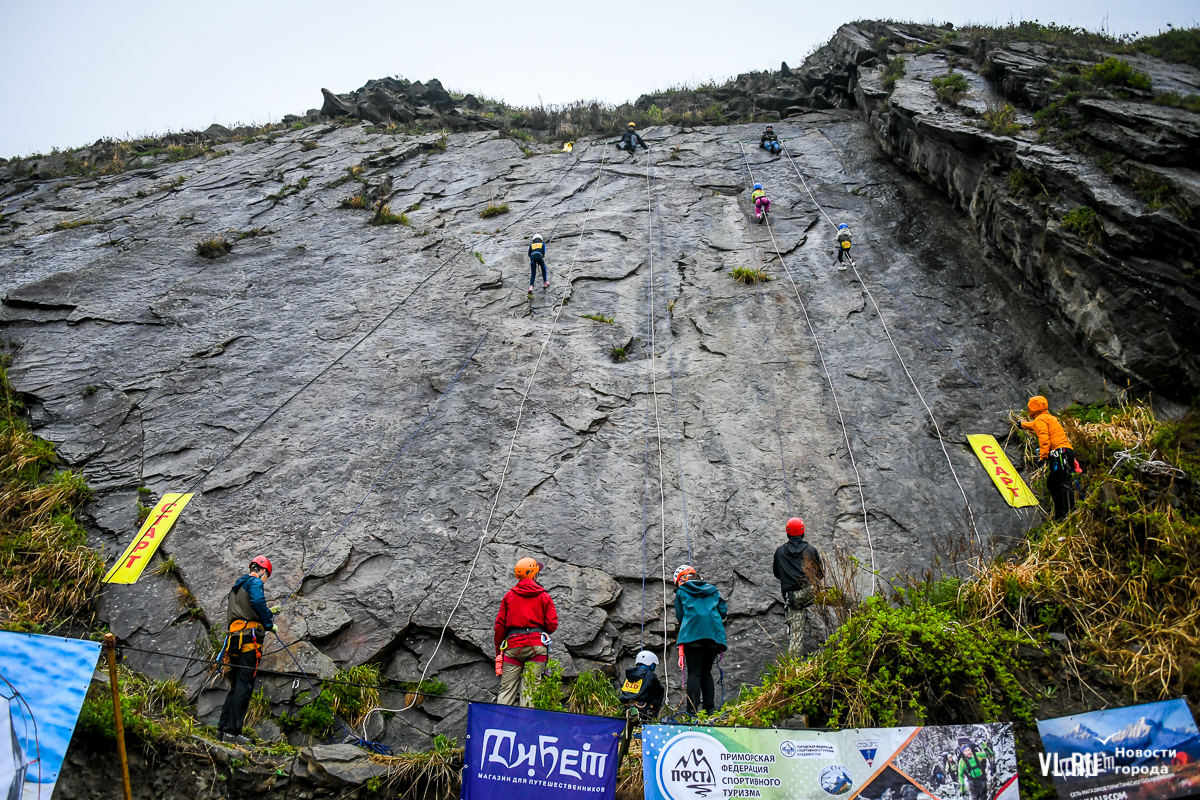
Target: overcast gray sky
[[71, 72]]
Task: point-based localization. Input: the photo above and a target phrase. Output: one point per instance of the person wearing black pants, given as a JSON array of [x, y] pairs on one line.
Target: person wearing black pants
[[701, 613], [537, 256], [1061, 481], [248, 621], [1055, 451]]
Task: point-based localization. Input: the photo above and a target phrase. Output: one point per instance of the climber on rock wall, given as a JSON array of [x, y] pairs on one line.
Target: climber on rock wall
[[630, 140], [769, 141], [248, 620], [526, 619], [843, 242], [762, 203], [799, 570], [642, 688], [1054, 450], [537, 257], [701, 612]]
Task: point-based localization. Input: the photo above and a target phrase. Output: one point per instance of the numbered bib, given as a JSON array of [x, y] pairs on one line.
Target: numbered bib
[[845, 245], [632, 687]]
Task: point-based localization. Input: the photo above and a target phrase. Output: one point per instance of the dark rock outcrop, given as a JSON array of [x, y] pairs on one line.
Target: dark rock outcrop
[[397, 101]]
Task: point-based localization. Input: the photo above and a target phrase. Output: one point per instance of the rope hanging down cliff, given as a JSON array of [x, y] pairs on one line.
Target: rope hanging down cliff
[[882, 321], [486, 535], [832, 390]]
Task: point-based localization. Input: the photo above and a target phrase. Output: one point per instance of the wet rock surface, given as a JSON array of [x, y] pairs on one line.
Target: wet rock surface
[[148, 365]]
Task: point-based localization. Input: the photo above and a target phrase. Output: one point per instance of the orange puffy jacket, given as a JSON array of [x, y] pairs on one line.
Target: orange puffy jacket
[[1049, 430]]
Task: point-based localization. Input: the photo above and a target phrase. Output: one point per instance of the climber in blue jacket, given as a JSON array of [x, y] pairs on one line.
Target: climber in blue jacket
[[701, 612]]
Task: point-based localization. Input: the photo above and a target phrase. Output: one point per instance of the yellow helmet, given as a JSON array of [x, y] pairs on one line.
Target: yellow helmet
[[527, 568], [633, 125]]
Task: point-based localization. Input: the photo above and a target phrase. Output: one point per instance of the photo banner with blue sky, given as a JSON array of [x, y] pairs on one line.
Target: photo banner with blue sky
[[45, 679]]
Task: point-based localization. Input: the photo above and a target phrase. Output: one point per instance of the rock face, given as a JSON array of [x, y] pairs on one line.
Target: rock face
[[149, 365]]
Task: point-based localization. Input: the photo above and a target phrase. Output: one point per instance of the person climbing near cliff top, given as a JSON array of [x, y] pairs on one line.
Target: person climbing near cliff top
[[537, 256], [701, 612], [526, 619], [800, 572], [642, 688], [843, 243], [1054, 450], [762, 203], [770, 142], [630, 141], [247, 619]]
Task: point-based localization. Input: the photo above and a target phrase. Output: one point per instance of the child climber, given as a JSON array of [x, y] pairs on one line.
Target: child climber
[[642, 688], [762, 203], [701, 613], [537, 257], [526, 619], [843, 242]]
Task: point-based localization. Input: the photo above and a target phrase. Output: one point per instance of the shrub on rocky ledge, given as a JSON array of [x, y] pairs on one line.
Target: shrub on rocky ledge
[[214, 247]]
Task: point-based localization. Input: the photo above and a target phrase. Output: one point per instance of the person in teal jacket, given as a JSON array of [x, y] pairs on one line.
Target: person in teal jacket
[[701, 613]]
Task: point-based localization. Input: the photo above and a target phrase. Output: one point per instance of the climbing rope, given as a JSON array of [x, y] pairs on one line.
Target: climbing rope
[[882, 321], [485, 534], [832, 390]]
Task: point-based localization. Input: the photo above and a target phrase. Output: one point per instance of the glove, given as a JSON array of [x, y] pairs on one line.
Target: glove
[[274, 629], [276, 609], [681, 656], [499, 663]]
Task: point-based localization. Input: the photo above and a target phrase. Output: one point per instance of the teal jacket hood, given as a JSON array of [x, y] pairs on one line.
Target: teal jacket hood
[[701, 613]]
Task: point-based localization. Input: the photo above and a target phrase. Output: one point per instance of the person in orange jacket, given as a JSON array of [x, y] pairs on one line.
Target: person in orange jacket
[[526, 619], [1054, 449]]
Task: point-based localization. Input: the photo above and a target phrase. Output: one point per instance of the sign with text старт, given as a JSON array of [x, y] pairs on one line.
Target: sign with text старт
[[135, 558]]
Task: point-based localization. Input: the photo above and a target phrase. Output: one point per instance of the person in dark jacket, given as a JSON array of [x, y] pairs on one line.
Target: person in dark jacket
[[248, 620], [799, 570], [630, 141], [537, 258], [701, 613], [642, 688], [526, 619], [769, 141]]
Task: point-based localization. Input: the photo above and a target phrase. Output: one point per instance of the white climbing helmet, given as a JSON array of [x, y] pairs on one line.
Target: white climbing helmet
[[537, 237], [646, 659]]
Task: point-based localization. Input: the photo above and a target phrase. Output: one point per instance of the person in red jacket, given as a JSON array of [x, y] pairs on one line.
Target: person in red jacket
[[524, 623]]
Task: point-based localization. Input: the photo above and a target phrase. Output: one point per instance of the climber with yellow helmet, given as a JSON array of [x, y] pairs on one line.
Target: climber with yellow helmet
[[701, 612], [526, 619], [1054, 450], [630, 141]]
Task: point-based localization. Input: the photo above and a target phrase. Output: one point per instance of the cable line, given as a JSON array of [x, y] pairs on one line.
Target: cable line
[[833, 391]]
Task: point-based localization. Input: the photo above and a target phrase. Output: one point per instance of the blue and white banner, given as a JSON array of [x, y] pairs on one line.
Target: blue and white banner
[[1146, 752], [516, 753]]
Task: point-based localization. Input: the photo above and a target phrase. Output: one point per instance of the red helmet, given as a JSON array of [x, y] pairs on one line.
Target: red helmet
[[795, 527], [263, 562]]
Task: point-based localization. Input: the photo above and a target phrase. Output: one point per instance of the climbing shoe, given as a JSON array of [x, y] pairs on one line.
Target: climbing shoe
[[545, 286], [530, 290]]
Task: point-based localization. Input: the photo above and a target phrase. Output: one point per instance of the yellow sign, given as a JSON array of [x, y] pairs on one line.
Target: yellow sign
[[135, 558], [1004, 475]]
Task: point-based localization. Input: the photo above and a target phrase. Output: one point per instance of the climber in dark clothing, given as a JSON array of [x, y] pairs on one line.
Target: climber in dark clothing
[[537, 258], [769, 141], [248, 620], [630, 141], [799, 570], [642, 688]]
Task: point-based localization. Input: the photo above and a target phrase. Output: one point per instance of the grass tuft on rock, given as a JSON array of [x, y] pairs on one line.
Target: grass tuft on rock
[[494, 210], [950, 87], [384, 216], [67, 225], [750, 275], [214, 247], [598, 318]]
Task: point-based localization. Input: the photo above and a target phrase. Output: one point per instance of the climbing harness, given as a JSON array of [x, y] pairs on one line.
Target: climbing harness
[[832, 390], [882, 321]]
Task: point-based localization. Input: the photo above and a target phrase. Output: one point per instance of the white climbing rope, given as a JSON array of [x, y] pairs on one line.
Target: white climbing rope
[[833, 391], [882, 321], [485, 536]]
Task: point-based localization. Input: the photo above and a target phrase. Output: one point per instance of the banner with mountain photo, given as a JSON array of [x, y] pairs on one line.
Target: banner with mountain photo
[[1146, 752], [952, 762]]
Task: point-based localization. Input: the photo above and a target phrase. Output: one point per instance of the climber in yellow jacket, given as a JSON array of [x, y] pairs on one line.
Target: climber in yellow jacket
[[1054, 448]]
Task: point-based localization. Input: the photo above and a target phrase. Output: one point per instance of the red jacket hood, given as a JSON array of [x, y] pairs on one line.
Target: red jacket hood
[[528, 587]]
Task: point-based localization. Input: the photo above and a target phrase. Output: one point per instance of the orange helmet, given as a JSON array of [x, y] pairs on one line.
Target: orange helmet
[[686, 569], [527, 568], [262, 562]]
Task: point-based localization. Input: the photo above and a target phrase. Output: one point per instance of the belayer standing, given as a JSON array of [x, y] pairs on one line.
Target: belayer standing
[[762, 203], [630, 141], [799, 570], [642, 688], [843, 242], [769, 141], [526, 619], [537, 257], [1054, 450], [248, 619], [701, 613]]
